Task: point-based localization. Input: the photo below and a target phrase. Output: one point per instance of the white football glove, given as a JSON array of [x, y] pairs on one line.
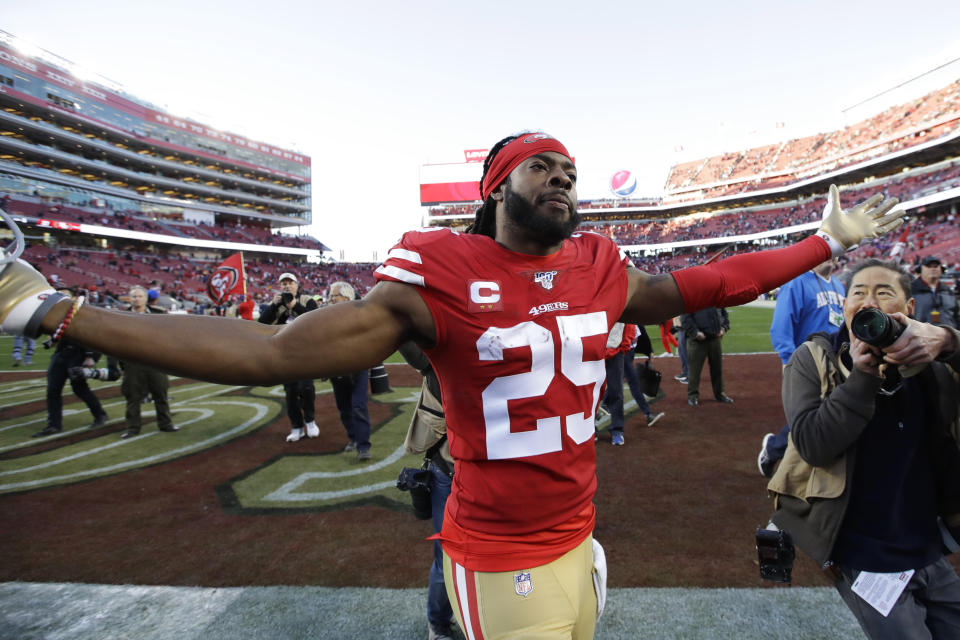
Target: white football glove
[[844, 230], [25, 298]]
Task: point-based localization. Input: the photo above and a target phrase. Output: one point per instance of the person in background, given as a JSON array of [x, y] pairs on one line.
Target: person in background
[[935, 302], [246, 307], [69, 354], [300, 395], [25, 346], [704, 331], [350, 391], [428, 435], [620, 342], [810, 303], [140, 380], [681, 339]]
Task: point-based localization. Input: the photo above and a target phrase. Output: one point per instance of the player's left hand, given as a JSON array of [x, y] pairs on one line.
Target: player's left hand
[[844, 230]]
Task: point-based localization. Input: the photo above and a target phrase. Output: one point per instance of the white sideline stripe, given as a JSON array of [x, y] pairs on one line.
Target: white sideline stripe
[[285, 493], [405, 254], [261, 412], [464, 594], [204, 413], [400, 274]]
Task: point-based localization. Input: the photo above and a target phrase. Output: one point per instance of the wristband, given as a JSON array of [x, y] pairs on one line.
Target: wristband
[[836, 249], [58, 333], [32, 328]]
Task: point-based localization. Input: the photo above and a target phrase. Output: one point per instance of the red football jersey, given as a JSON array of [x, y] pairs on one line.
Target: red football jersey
[[520, 359]]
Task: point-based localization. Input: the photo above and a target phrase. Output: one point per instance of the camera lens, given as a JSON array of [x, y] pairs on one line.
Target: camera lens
[[876, 327]]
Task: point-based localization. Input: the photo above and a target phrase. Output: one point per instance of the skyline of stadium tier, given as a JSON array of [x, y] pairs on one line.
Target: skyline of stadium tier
[[91, 144]]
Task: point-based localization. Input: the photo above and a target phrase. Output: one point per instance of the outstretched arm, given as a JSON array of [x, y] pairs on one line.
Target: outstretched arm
[[740, 279], [335, 340]]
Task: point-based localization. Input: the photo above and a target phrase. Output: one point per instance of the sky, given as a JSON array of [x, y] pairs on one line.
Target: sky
[[373, 90]]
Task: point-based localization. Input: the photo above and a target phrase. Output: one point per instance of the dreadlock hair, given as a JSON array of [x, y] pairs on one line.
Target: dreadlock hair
[[485, 222]]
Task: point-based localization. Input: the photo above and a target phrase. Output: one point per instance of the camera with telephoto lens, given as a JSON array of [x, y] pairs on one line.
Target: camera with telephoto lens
[[417, 482], [876, 328], [103, 373], [776, 554], [286, 297]]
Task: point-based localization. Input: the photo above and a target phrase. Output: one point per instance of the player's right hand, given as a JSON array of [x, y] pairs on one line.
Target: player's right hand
[[25, 298], [844, 230]]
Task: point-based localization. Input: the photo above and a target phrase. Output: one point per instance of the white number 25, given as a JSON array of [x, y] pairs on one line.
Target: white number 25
[[547, 437]]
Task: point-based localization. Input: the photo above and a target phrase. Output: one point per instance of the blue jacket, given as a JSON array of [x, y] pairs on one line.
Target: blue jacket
[[803, 308]]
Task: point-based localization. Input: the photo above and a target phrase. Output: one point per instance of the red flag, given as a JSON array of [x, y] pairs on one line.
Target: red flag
[[228, 278]]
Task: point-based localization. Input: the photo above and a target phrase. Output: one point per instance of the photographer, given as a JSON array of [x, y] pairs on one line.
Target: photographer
[[300, 395], [67, 355], [428, 435], [872, 462]]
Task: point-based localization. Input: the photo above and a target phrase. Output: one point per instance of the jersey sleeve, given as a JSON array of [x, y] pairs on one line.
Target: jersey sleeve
[[404, 262]]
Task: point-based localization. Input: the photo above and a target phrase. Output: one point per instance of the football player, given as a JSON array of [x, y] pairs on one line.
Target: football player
[[514, 316]]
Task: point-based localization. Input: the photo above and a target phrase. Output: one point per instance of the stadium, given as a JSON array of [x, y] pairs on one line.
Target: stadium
[[228, 532]]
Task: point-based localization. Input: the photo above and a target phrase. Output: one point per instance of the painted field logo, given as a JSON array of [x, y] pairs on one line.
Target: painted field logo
[[206, 414], [209, 416]]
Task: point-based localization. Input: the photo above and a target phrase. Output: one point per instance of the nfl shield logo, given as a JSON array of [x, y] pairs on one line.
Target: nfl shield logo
[[545, 278], [523, 584]]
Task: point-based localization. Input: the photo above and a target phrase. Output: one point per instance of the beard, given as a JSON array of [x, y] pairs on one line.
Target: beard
[[548, 229]]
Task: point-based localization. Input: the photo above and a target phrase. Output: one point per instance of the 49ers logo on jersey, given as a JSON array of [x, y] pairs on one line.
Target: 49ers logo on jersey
[[483, 296]]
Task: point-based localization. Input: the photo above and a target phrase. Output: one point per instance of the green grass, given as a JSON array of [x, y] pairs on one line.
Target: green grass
[[749, 331]]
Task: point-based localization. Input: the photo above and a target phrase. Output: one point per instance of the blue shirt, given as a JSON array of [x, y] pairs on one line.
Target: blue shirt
[[803, 307]]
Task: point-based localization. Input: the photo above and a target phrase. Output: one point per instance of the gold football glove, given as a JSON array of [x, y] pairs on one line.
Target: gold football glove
[[844, 230], [25, 298]]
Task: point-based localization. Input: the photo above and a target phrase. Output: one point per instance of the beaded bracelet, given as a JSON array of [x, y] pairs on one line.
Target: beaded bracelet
[[66, 319]]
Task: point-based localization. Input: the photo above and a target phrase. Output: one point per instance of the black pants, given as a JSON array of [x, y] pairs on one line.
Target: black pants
[[57, 377], [697, 352], [301, 397]]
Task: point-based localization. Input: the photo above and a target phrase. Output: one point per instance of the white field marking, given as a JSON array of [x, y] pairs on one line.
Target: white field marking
[[40, 386], [286, 492], [17, 386], [166, 455], [204, 413], [281, 393], [64, 413], [121, 403]]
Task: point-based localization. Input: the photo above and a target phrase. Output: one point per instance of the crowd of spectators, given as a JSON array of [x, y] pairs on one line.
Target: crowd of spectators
[[926, 118], [774, 216], [107, 274]]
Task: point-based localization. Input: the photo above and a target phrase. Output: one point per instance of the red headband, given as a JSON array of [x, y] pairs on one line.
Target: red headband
[[515, 152]]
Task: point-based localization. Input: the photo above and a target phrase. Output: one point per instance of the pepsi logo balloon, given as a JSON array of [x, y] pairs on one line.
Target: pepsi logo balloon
[[623, 183]]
